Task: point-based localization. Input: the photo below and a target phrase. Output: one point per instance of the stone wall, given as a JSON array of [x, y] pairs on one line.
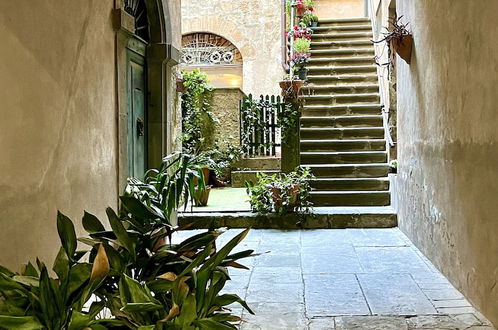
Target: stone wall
[[252, 27], [448, 142], [226, 112]]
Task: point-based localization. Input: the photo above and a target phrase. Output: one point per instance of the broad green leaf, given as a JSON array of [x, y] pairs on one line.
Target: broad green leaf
[[121, 233], [78, 276], [61, 265], [27, 280], [146, 327], [29, 270], [20, 322], [218, 257], [115, 259], [7, 283], [7, 271], [139, 209], [92, 224], [227, 299], [79, 321], [67, 234], [133, 292], [141, 307], [188, 311], [209, 324]]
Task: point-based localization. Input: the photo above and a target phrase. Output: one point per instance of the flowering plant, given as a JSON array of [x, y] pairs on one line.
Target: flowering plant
[[300, 59], [301, 31], [304, 4]]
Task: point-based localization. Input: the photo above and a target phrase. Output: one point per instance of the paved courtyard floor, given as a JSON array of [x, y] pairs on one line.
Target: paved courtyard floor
[[344, 279]]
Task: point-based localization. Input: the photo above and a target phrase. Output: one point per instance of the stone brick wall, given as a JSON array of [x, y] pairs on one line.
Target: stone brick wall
[[225, 108], [253, 26]]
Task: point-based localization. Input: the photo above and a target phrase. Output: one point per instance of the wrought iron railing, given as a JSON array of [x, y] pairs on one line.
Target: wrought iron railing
[[259, 128]]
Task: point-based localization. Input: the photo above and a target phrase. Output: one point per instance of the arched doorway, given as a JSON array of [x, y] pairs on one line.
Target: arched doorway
[[216, 56]]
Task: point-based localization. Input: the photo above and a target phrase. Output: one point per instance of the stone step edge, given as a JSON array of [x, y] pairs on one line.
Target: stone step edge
[[322, 219], [342, 117]]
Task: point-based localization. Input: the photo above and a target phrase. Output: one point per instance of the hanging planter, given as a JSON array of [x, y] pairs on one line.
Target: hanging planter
[[399, 41], [403, 46], [291, 86]]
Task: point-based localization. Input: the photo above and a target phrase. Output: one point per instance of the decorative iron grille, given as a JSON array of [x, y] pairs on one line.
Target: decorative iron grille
[[208, 49], [137, 9]]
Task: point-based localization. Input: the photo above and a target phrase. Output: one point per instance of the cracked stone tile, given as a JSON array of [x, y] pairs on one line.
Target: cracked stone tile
[[342, 260], [371, 323], [442, 322], [322, 323], [276, 275], [334, 294], [375, 237], [394, 294], [270, 316], [451, 303], [277, 293]]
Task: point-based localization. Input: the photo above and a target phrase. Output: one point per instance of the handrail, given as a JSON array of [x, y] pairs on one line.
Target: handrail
[[287, 40], [382, 76]]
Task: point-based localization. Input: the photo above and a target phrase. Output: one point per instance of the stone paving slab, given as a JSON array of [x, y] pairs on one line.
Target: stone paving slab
[[343, 279]]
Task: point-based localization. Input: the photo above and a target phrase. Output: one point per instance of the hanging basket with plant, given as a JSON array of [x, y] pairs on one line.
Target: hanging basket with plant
[[399, 40]]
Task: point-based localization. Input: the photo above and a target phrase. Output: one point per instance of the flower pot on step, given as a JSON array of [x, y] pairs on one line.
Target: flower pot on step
[[302, 73], [201, 196], [314, 24], [300, 11], [279, 200], [403, 47]]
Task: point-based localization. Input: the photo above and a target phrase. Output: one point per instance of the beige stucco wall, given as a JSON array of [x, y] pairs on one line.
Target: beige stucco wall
[[225, 107], [448, 142], [254, 29], [339, 8], [58, 120]]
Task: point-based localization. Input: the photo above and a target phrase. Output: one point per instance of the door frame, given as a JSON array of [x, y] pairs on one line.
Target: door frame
[[161, 56]]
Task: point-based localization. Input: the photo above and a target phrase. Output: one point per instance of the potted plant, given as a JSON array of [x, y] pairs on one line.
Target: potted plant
[[393, 166], [290, 86], [281, 193], [300, 31], [309, 19], [301, 56], [399, 40]]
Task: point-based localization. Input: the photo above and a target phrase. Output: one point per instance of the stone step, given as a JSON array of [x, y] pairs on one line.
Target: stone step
[[321, 28], [343, 35], [258, 163], [349, 170], [328, 99], [342, 133], [341, 110], [318, 80], [357, 51], [332, 61], [328, 43], [342, 121], [342, 89], [240, 177], [344, 21], [334, 70], [346, 157], [343, 145], [348, 184], [350, 198]]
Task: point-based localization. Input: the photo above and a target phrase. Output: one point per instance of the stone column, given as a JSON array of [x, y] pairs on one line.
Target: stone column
[[291, 147]]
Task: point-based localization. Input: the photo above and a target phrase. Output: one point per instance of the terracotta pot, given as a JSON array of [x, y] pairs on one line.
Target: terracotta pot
[[202, 196], [205, 174], [291, 85], [300, 12], [180, 86], [403, 47]]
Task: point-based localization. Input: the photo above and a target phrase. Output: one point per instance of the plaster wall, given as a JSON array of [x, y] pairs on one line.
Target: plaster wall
[[58, 121], [226, 112], [448, 142], [326, 9], [254, 29]]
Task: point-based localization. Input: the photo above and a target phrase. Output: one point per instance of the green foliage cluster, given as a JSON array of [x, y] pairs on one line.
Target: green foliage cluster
[[302, 45], [134, 271], [308, 18], [221, 159], [197, 118], [281, 193], [288, 117]]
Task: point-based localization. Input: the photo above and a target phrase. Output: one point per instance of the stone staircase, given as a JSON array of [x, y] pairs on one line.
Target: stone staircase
[[342, 136]]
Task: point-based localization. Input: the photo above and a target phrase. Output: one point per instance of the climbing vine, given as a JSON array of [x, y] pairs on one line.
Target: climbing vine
[[197, 119]]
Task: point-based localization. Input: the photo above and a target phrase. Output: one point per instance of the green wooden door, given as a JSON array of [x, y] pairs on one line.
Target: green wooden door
[[137, 105]]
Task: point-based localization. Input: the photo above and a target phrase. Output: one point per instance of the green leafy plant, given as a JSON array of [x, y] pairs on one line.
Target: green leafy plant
[[221, 158], [281, 193], [197, 118], [32, 299], [134, 271], [288, 117], [302, 45]]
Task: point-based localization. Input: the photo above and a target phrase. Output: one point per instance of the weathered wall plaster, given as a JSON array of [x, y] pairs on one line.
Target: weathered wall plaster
[[226, 112], [339, 8], [58, 127], [253, 27], [448, 142]]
